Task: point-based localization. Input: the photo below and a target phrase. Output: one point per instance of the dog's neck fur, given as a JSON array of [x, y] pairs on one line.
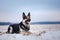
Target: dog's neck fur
[[24, 27]]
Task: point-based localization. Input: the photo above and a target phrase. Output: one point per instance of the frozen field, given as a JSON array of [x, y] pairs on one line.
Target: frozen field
[[52, 32]]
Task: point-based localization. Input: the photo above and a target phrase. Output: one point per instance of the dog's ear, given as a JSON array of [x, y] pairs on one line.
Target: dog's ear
[[23, 15], [29, 14]]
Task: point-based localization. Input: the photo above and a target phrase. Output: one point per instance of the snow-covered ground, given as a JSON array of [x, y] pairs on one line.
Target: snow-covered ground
[[52, 33]]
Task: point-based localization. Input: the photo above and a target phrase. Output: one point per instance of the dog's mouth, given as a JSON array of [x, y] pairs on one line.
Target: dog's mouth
[[26, 21]]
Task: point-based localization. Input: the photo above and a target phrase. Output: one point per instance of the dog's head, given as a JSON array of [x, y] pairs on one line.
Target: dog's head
[[26, 19]]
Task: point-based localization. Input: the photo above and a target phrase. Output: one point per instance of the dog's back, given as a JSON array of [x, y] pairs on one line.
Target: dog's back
[[15, 28]]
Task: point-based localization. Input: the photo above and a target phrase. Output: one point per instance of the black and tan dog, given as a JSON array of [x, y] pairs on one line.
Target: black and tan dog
[[24, 25]]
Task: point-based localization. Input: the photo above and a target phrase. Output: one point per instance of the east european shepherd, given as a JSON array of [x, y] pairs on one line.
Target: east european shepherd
[[24, 25]]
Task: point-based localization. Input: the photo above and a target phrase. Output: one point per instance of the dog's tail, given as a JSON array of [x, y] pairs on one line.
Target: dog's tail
[[8, 31], [9, 28]]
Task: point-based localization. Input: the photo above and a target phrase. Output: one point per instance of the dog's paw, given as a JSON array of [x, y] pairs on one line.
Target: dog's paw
[[26, 33]]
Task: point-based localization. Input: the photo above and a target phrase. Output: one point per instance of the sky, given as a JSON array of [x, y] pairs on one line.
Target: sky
[[40, 10]]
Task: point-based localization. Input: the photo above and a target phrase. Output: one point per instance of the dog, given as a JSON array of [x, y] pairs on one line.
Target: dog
[[24, 25]]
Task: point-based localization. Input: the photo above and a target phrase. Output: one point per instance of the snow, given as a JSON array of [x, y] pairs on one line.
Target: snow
[[52, 33]]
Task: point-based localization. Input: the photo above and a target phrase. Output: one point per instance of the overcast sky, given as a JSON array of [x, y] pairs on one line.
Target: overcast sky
[[41, 10]]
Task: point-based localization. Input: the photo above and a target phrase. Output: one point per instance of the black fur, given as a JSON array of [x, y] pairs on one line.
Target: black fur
[[16, 28]]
